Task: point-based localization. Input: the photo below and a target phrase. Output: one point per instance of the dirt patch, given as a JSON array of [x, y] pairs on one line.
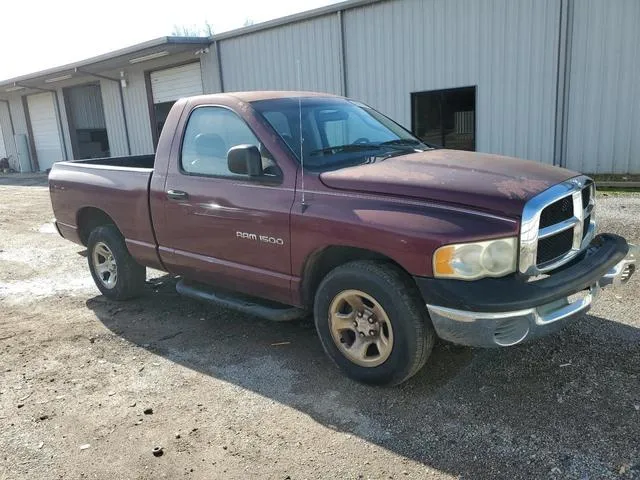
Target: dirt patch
[[236, 397]]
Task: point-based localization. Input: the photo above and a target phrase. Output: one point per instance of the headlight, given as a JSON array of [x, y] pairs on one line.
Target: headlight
[[470, 261]]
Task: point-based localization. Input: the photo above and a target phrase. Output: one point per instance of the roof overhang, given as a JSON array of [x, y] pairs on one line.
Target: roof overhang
[[48, 80]]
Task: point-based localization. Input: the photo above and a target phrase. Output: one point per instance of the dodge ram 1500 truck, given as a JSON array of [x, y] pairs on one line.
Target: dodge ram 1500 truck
[[282, 203]]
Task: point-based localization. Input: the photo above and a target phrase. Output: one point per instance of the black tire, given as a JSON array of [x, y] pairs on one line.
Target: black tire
[[130, 279], [393, 290]]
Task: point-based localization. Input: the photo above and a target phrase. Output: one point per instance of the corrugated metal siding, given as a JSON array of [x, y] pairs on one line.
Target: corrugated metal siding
[[18, 115], [3, 150], [507, 48], [603, 129], [114, 119], [267, 60], [171, 84], [66, 134], [210, 72], [8, 144], [85, 103], [137, 110]]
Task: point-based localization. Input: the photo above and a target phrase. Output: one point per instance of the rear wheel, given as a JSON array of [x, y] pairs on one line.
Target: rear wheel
[[114, 271], [372, 322]]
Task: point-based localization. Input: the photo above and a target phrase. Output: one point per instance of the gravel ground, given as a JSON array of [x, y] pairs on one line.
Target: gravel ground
[[238, 397]]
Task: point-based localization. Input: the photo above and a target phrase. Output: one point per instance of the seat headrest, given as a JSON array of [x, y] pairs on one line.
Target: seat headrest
[[210, 145]]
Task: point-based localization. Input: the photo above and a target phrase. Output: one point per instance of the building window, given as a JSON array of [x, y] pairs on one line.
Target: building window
[[445, 117]]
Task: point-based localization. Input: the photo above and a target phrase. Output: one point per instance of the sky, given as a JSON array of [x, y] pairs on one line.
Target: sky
[[40, 34]]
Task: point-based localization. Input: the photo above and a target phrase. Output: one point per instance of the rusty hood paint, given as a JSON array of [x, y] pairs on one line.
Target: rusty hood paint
[[486, 182]]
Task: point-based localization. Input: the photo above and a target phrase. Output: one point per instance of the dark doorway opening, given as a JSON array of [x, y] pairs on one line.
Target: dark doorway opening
[[161, 112], [87, 125], [445, 117]]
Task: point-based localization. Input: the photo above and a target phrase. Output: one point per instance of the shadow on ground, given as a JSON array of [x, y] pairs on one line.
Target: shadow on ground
[[561, 407]]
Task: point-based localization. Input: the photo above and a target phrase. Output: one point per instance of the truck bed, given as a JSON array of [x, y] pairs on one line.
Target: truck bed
[[117, 187]]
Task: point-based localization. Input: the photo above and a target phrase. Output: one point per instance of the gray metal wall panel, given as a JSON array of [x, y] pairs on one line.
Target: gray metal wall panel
[[86, 107], [3, 150], [604, 88], [7, 132], [114, 118], [137, 109], [210, 72], [66, 134], [267, 60], [18, 115], [507, 48]]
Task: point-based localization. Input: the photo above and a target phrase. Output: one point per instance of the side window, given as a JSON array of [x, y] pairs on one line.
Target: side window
[[210, 133]]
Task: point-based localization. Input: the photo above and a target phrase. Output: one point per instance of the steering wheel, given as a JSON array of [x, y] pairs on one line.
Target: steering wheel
[[361, 141]]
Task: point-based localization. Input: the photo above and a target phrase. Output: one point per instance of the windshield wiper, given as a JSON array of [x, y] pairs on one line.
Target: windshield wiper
[[350, 147], [398, 144], [404, 142]]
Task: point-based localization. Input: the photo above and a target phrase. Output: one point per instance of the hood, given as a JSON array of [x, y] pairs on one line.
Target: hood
[[493, 183]]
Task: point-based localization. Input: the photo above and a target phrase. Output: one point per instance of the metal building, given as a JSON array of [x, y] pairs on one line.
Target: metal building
[[548, 80]]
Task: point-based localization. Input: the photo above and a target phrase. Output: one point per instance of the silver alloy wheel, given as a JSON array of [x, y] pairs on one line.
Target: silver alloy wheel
[[105, 265], [360, 328]]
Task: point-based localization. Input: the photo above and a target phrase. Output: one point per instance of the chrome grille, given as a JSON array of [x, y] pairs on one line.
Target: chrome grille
[[557, 225], [557, 212], [554, 246]]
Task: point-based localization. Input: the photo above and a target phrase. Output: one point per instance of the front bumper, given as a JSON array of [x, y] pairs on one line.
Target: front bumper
[[511, 310]]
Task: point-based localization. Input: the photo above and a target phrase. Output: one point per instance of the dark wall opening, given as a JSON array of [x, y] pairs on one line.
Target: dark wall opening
[[445, 117], [87, 125], [161, 112]]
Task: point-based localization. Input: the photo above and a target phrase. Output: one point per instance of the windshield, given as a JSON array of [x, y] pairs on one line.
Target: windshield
[[336, 132]]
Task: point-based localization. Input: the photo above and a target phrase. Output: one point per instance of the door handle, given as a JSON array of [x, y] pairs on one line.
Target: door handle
[[177, 195]]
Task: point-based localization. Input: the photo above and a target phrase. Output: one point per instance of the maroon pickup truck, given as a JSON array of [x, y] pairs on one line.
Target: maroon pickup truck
[[283, 203]]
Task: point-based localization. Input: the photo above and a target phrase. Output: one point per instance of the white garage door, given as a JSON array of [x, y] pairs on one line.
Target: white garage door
[[44, 125], [173, 83]]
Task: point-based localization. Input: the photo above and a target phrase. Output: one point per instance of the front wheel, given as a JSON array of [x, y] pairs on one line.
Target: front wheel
[[372, 322], [114, 271]]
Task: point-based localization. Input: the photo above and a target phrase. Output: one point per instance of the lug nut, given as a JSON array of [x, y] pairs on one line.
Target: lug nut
[[362, 334], [359, 314], [355, 324], [371, 320], [372, 332]]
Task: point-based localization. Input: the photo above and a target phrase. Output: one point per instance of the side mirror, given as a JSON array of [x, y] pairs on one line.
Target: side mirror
[[245, 160]]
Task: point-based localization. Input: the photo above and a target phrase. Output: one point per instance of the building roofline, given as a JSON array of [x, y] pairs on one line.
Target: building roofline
[[156, 42], [295, 18], [202, 41]]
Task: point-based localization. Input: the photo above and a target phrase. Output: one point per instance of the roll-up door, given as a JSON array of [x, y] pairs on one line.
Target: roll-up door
[[173, 83], [44, 126]]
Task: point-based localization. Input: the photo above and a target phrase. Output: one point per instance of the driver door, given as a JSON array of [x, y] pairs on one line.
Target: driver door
[[224, 228]]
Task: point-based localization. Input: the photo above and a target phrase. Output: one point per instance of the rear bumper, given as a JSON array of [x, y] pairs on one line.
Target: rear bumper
[[508, 311], [68, 232]]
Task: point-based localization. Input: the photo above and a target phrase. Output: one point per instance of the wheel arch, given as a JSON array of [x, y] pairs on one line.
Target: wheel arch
[[323, 261], [88, 219]]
